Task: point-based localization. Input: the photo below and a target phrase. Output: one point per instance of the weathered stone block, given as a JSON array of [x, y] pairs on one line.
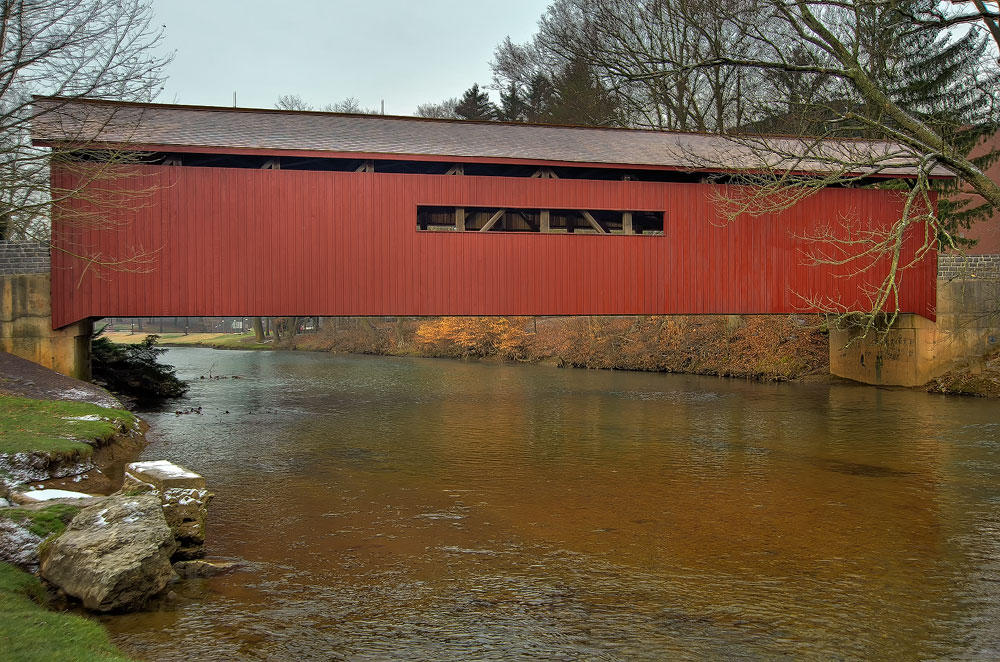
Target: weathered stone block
[[183, 497], [163, 475]]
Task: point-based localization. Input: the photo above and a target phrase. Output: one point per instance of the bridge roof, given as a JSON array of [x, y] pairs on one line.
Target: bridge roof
[[177, 128]]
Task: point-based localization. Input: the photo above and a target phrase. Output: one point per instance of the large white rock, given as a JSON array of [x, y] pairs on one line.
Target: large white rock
[[114, 555]]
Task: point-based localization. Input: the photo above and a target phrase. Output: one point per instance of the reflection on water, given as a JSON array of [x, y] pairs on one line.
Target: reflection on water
[[422, 509]]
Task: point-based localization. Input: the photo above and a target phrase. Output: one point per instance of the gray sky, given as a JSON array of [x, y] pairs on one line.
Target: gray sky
[[407, 52]]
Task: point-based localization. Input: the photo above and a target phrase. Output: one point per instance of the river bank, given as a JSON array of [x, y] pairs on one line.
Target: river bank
[[55, 433], [758, 347], [766, 348]]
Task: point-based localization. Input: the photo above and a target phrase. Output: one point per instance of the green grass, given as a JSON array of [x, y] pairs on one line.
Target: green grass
[[31, 633], [218, 340], [45, 521], [48, 426]]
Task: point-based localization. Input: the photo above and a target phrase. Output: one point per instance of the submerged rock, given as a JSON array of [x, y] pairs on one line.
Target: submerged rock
[[203, 568], [114, 555]]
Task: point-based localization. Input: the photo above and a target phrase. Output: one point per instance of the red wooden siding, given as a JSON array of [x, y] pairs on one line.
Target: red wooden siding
[[238, 242]]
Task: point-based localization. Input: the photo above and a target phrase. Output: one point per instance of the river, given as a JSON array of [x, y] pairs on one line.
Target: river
[[428, 509]]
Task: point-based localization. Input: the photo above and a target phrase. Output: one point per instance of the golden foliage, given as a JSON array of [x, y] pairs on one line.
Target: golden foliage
[[766, 347]]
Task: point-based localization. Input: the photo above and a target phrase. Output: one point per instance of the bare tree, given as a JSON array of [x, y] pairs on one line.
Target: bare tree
[[66, 50], [293, 102], [628, 45], [349, 105], [442, 110], [896, 73], [865, 88]]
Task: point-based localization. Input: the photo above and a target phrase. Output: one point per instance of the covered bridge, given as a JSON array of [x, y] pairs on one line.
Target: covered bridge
[[168, 210]]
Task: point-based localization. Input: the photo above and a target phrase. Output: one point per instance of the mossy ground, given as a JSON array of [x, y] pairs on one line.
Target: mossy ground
[[45, 521], [56, 426], [31, 633]]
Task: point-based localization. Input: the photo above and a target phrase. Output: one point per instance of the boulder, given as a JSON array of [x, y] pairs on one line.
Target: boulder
[[114, 555], [183, 496]]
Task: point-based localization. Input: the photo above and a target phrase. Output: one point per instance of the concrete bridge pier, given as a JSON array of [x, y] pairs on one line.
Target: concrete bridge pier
[[26, 314], [917, 350]]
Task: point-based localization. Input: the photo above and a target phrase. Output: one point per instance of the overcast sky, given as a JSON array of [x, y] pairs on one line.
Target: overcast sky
[[406, 52]]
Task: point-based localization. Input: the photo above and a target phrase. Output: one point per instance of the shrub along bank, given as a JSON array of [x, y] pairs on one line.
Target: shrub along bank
[[764, 347]]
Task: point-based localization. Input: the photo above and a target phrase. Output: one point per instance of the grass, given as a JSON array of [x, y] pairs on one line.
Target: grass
[[45, 521], [221, 340], [55, 426], [31, 633]]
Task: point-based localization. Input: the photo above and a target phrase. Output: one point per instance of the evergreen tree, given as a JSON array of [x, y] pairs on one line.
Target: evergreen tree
[[512, 107], [538, 98], [938, 75], [476, 105], [580, 98]]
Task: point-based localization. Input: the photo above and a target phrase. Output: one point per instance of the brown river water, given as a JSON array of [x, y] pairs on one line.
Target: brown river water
[[428, 509]]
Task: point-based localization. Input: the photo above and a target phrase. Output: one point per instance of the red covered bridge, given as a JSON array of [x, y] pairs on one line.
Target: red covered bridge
[[236, 212]]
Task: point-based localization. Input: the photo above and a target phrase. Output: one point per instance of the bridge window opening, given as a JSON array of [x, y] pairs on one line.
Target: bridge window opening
[[547, 221]]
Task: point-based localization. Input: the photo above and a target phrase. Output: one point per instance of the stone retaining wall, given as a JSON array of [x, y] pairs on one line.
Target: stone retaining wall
[[23, 257], [951, 267]]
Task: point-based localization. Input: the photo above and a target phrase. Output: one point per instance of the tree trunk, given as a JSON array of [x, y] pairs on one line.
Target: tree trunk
[[258, 330]]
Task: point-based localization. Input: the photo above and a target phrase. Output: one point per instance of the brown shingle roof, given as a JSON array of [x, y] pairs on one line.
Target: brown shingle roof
[[164, 126]]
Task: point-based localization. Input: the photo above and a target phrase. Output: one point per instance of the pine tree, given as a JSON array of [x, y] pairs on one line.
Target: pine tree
[[538, 98], [580, 98], [476, 105], [512, 107], [938, 75]]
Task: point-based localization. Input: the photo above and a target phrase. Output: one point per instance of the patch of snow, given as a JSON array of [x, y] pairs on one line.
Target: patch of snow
[[184, 496], [165, 468], [88, 417], [99, 520], [46, 495], [94, 397], [18, 545], [22, 468]]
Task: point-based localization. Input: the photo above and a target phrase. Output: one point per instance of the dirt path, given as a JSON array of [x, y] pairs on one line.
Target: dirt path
[[30, 380]]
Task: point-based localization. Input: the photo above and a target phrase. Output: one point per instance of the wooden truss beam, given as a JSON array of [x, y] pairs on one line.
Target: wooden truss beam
[[457, 169], [545, 173], [593, 222], [460, 219], [366, 166], [493, 219]]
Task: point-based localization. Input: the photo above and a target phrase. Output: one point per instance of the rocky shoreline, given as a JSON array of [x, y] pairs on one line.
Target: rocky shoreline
[[82, 524]]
